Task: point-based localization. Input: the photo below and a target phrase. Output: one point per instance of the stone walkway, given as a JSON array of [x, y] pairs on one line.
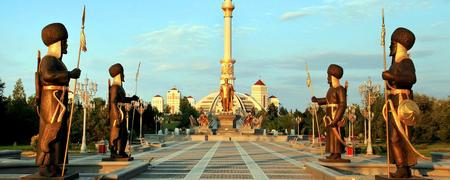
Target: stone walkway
[[225, 160]]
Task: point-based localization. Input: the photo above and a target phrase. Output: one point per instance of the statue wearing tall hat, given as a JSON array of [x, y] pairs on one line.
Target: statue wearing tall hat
[[52, 85], [336, 103], [119, 133], [400, 77]]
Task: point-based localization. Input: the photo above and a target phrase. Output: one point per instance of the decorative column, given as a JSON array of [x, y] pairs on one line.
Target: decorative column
[[227, 63]]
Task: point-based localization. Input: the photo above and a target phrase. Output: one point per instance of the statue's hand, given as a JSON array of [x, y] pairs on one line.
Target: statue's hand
[[333, 123], [387, 75], [75, 73], [314, 99]]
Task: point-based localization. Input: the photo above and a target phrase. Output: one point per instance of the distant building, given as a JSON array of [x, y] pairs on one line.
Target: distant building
[[191, 100], [274, 100], [259, 92], [173, 100], [158, 103]]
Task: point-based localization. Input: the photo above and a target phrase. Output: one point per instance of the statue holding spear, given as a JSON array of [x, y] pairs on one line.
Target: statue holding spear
[[118, 137], [400, 110], [336, 103], [52, 81]]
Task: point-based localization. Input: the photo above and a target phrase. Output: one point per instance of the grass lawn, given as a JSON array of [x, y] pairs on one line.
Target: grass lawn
[[18, 147], [73, 148], [425, 149]]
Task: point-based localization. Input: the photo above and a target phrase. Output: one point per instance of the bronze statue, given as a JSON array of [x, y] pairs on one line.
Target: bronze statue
[[248, 121], [257, 122], [400, 77], [203, 120], [119, 133], [52, 89], [226, 94], [336, 103]]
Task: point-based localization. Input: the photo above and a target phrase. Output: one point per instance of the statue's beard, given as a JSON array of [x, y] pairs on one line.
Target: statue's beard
[[393, 50]]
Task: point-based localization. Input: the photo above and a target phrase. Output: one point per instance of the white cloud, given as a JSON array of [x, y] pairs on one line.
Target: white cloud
[[169, 66], [172, 40], [201, 66], [292, 15], [355, 9]]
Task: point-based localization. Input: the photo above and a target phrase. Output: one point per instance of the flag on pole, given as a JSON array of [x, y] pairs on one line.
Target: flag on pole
[[383, 29], [83, 36], [137, 72], [308, 78], [308, 81]]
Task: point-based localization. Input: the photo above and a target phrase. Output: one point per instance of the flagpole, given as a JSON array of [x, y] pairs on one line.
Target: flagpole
[[383, 45], [309, 85], [81, 48]]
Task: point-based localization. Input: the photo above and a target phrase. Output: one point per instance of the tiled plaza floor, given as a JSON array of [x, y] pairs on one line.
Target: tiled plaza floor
[[225, 160]]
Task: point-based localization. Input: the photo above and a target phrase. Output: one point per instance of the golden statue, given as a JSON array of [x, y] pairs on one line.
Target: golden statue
[[226, 94]]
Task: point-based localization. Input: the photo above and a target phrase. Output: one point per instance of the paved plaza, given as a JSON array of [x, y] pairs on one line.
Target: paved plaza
[[226, 160]]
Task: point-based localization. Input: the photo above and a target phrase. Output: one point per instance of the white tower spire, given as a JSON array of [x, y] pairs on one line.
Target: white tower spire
[[227, 62]]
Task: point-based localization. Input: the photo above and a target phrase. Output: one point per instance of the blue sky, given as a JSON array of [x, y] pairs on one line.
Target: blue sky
[[180, 43]]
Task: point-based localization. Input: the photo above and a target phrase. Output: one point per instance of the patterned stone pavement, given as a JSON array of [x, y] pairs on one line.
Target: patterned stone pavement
[[225, 160]]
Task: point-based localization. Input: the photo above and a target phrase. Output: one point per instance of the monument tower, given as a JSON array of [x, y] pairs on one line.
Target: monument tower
[[227, 62], [241, 103]]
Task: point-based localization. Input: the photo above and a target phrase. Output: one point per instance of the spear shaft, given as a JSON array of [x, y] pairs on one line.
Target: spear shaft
[[134, 110], [383, 45], [74, 92], [309, 85]]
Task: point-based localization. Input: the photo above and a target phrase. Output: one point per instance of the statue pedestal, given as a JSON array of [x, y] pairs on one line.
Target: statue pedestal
[[36, 176], [204, 130], [247, 130], [118, 159], [226, 122], [385, 177], [335, 160]]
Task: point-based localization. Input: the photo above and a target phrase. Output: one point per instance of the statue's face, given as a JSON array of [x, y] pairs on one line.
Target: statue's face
[[64, 46], [393, 48]]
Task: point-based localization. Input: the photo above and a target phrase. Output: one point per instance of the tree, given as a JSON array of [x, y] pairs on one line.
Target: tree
[[2, 87], [18, 92], [272, 112], [3, 115], [283, 111], [186, 111], [20, 120]]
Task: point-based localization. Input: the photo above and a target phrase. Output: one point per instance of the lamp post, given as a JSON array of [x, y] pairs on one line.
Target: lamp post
[[313, 110], [369, 93], [364, 113], [351, 110], [298, 120], [142, 107], [157, 120], [161, 122], [86, 92], [127, 109]]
